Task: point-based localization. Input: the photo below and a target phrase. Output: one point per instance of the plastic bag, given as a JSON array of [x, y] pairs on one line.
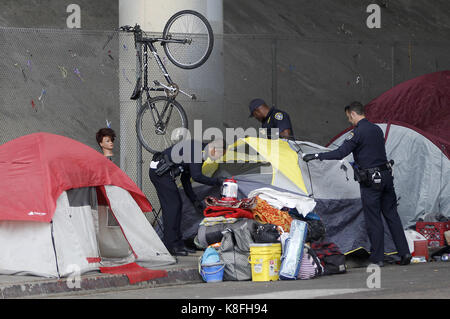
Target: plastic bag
[[293, 252]]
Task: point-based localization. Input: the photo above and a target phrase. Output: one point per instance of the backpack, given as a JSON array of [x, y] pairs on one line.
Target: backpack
[[266, 233], [234, 251], [310, 266], [332, 260], [316, 228]]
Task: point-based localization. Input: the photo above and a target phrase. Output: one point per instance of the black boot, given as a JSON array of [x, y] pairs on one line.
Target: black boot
[[406, 260], [178, 252], [190, 250]]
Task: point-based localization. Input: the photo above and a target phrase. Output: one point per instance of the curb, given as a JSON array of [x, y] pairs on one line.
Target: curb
[[96, 282]]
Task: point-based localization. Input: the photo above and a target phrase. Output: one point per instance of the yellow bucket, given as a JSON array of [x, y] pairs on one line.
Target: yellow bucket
[[266, 261]]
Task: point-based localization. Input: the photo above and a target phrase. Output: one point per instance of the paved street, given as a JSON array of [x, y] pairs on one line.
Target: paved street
[[417, 281]]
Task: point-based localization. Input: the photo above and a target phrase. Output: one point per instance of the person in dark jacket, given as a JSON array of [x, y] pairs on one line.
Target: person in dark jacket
[[271, 118], [186, 159], [374, 173]]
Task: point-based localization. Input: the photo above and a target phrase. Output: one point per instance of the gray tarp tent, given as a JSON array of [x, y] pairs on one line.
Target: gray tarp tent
[[415, 118], [337, 195], [421, 173]]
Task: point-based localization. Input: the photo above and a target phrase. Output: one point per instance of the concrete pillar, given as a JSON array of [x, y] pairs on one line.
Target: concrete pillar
[[206, 82]]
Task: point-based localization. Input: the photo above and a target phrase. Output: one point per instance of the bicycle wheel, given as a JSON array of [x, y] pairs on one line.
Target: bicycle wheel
[[193, 27], [160, 123]]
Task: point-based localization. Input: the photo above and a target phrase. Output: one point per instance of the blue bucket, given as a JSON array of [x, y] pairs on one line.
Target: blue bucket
[[212, 272]]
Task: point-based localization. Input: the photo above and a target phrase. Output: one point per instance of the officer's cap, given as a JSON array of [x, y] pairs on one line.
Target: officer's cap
[[254, 104]]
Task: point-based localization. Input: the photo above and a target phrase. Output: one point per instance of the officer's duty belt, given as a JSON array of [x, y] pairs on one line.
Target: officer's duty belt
[[383, 167]]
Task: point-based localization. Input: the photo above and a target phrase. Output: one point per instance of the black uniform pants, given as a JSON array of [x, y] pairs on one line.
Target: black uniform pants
[[377, 201], [171, 206]]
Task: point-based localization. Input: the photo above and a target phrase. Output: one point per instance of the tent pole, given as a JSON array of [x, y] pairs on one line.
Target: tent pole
[[307, 166]]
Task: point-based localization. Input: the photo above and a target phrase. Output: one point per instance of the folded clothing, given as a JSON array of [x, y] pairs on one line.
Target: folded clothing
[[245, 203], [277, 199], [211, 221], [227, 212]]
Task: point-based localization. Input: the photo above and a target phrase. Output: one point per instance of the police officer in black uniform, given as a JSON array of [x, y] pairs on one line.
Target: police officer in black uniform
[[186, 159], [271, 118], [374, 173]]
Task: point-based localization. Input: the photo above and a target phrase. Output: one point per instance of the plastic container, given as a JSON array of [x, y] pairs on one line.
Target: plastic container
[[212, 272], [421, 248], [210, 267], [229, 190], [265, 260], [411, 237], [433, 232]]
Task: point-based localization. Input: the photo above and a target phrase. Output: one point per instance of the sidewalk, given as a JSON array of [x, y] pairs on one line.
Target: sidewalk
[[183, 272]]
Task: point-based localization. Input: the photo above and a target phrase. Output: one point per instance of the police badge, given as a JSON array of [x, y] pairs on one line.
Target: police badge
[[350, 136], [279, 116]]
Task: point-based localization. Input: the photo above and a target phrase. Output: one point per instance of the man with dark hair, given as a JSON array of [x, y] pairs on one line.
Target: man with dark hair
[[374, 173], [105, 139], [185, 158], [271, 118]]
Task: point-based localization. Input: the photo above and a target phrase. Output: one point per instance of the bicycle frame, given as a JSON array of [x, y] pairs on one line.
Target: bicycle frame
[[148, 43]]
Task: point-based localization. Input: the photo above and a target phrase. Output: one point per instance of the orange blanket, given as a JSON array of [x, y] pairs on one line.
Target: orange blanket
[[266, 214]]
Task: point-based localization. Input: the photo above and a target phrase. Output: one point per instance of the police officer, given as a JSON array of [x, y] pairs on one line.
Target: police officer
[[271, 118], [374, 174], [186, 159]]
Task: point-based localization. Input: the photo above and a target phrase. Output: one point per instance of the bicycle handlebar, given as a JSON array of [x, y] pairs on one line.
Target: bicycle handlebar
[[128, 28]]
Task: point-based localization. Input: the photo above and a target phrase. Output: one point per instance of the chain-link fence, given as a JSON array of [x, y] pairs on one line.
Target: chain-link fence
[[73, 82], [62, 82]]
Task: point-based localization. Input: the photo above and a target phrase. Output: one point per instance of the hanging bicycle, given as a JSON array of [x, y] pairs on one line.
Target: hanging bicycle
[[188, 41]]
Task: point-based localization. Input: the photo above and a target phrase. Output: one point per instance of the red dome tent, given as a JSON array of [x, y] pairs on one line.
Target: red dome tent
[[415, 117], [35, 169], [62, 204]]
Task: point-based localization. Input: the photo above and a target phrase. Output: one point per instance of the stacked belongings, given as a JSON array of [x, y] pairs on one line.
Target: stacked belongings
[[220, 214], [230, 223], [230, 226], [236, 227]]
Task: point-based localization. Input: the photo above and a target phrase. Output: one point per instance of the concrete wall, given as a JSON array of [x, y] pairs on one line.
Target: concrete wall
[[311, 58], [52, 14], [55, 79]]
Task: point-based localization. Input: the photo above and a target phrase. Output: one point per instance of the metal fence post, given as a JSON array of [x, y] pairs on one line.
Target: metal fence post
[[138, 104]]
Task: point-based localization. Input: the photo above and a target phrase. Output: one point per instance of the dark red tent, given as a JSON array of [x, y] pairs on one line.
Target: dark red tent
[[422, 104]]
